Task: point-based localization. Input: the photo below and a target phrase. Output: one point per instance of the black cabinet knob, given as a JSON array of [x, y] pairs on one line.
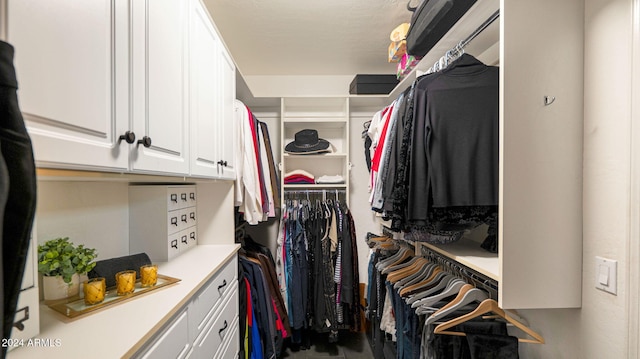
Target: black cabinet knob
[[128, 137], [145, 141], [222, 163]]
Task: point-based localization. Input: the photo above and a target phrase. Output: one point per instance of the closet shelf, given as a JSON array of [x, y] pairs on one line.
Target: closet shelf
[[324, 120], [305, 186], [470, 254], [318, 156]]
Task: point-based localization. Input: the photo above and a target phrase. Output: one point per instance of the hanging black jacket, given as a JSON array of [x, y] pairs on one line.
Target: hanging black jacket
[[18, 176]]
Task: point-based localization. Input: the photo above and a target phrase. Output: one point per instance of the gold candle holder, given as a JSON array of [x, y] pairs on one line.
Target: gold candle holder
[[125, 282], [149, 275], [94, 290]]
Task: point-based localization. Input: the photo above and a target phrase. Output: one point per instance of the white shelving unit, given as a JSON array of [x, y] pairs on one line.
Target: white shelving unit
[[329, 116]]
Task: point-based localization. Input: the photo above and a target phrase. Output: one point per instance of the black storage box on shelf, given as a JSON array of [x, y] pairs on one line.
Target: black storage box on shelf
[[431, 20], [373, 84]]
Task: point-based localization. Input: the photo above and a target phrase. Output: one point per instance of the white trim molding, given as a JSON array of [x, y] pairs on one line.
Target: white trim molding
[[633, 301]]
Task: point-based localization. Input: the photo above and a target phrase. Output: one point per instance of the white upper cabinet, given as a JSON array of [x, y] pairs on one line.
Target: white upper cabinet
[[141, 86], [71, 59], [159, 86], [226, 121], [212, 92]]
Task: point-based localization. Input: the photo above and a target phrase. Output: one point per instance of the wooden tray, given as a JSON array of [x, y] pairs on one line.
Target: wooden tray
[[74, 307]]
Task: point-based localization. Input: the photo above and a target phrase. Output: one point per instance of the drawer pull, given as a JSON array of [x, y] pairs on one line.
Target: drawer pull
[[20, 323], [183, 196], [192, 235], [174, 244], [184, 218], [224, 284], [184, 239], [174, 198], [222, 329], [192, 196], [192, 215], [174, 221]]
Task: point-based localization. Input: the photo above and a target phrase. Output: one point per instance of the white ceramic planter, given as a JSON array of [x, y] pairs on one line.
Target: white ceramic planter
[[54, 288]]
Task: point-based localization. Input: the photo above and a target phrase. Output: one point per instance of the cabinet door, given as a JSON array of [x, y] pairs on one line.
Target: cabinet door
[[159, 86], [204, 94], [73, 79], [226, 121]]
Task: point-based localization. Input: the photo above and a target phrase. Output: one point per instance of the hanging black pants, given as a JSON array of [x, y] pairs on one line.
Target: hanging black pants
[[17, 189]]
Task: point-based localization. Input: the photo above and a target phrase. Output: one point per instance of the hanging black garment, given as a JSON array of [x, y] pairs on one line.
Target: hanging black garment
[[18, 175]]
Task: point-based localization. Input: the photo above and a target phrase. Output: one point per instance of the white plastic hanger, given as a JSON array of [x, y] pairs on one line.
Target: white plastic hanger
[[442, 285], [424, 305]]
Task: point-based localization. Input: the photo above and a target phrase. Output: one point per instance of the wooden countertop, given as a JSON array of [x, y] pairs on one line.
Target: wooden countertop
[[120, 330]]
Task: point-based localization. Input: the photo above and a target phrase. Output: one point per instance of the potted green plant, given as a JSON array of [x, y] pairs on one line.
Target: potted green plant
[[61, 263]]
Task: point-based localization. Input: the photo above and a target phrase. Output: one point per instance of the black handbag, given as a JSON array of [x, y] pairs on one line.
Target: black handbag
[[430, 21]]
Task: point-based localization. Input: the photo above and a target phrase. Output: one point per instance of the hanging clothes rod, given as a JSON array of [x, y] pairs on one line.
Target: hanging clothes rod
[[480, 28], [458, 50], [478, 279]]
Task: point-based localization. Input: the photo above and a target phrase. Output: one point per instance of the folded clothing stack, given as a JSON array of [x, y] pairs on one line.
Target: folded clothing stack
[[299, 177], [337, 179]]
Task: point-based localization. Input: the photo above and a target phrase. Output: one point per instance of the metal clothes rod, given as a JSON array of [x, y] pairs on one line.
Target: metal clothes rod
[[458, 50], [338, 194], [479, 280], [480, 29]]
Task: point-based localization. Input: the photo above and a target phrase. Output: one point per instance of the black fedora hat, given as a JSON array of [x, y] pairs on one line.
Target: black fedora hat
[[307, 141]]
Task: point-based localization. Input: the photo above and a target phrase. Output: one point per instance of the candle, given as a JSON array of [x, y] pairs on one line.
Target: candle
[[125, 282], [149, 275], [94, 290]]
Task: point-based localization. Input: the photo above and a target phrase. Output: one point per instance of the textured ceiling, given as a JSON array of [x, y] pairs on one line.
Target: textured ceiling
[[309, 37]]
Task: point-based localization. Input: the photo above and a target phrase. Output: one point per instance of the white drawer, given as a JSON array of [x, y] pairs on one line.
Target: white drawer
[[173, 343], [181, 197], [191, 239], [180, 219], [173, 246], [230, 348], [206, 303], [218, 329], [28, 314]]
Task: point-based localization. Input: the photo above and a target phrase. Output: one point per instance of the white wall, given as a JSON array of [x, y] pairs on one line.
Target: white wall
[[92, 213], [607, 129]]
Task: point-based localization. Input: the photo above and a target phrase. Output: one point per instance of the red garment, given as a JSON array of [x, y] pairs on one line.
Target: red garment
[[375, 161], [299, 179]]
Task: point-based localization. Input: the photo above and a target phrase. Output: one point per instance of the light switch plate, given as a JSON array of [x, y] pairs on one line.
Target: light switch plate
[[606, 275]]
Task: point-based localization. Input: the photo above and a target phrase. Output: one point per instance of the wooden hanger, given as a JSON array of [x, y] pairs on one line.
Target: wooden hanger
[[467, 295], [488, 306], [401, 266], [416, 277], [401, 256], [405, 291], [416, 264]]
